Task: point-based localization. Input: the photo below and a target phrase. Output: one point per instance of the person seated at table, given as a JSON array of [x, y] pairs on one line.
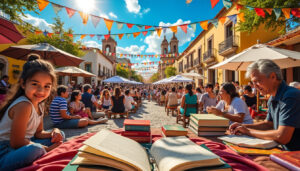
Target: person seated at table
[[78, 108], [231, 106], [117, 101], [171, 98], [59, 113], [105, 99], [180, 94], [162, 98], [130, 104], [249, 97], [199, 93], [208, 98], [90, 101], [283, 119], [295, 84], [188, 98]]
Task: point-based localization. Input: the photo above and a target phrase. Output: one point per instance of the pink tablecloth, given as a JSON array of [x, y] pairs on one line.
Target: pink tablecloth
[[58, 158]]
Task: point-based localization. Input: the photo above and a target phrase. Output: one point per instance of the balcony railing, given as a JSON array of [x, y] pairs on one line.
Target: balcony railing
[[101, 74], [196, 62], [229, 45], [185, 66], [209, 55]]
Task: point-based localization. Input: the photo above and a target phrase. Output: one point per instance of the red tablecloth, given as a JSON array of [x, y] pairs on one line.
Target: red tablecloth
[[58, 158]]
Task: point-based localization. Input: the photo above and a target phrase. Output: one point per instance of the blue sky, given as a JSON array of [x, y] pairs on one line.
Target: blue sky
[[146, 12]]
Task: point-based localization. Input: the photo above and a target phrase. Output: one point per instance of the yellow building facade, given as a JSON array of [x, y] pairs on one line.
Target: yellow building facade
[[216, 44]]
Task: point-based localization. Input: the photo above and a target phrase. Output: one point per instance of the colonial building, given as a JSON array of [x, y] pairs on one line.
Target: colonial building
[[167, 60], [216, 44]]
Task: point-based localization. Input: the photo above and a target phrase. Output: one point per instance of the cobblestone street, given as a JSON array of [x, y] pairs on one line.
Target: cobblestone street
[[148, 111]]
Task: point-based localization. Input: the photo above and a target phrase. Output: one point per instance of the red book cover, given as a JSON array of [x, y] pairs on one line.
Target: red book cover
[[141, 139], [135, 134], [137, 122], [290, 160]]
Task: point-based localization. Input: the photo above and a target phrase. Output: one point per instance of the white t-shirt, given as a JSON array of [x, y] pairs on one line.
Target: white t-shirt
[[237, 106], [128, 102]]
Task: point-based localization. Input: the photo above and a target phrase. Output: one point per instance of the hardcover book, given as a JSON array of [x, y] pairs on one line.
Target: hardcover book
[[135, 133], [173, 130], [209, 120], [136, 128], [137, 122], [290, 160]]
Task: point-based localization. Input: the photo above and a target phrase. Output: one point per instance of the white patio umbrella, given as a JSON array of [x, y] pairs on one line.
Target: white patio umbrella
[[73, 71], [179, 79], [117, 79], [282, 57], [193, 74]]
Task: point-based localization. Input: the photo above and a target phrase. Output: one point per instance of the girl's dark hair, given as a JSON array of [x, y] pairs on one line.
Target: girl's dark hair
[[61, 89], [189, 87], [248, 88], [230, 89], [164, 92], [173, 89], [117, 92], [33, 66], [198, 90], [208, 85], [97, 92], [74, 94]]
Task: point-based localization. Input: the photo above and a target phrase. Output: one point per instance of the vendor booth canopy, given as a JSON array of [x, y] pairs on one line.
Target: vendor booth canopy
[[193, 74], [73, 71], [8, 32], [117, 79], [179, 79]]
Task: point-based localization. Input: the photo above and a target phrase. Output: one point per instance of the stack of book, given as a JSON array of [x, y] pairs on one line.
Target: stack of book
[[208, 124], [173, 131], [138, 130]]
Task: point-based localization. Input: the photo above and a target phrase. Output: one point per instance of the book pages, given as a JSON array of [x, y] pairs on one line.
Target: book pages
[[121, 148], [180, 153]]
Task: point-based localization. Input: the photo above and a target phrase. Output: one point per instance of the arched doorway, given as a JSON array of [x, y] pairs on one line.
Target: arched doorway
[[3, 66]]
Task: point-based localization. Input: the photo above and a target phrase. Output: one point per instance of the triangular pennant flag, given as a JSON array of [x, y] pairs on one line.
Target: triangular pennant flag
[[56, 8], [70, 12], [215, 22], [158, 31], [242, 16], [239, 6], [250, 8], [222, 20], [120, 36], [128, 35], [129, 25], [193, 26], [42, 4], [82, 36], [139, 27], [70, 35], [106, 36], [120, 25], [92, 35], [98, 37], [136, 34], [45, 33], [84, 16], [146, 27], [260, 12], [50, 34], [151, 32], [227, 4], [213, 3], [233, 18], [95, 20], [38, 32], [174, 29], [269, 10], [204, 25], [277, 12], [286, 12], [145, 33], [296, 12], [108, 23], [164, 30], [113, 36], [184, 27]]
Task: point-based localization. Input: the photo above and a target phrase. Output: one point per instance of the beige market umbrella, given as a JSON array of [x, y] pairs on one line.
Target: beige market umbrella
[[73, 71], [282, 57], [193, 74]]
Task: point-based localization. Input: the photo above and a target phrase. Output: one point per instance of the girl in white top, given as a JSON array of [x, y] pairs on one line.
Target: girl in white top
[[21, 117], [231, 106], [105, 99]]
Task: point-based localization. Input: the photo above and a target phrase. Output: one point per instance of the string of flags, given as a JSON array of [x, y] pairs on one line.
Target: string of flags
[[147, 63], [124, 55]]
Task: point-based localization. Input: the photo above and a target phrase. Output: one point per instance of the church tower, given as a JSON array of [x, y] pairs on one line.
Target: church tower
[[109, 45], [164, 46], [174, 44]]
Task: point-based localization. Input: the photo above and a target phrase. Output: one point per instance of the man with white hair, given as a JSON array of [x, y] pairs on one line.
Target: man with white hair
[[283, 120], [295, 84]]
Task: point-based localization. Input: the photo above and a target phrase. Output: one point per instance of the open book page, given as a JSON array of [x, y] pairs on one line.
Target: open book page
[[180, 153], [121, 148], [247, 141]]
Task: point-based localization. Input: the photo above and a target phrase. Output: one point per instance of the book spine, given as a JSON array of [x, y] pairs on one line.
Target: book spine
[[141, 139], [136, 133], [137, 128], [284, 163]]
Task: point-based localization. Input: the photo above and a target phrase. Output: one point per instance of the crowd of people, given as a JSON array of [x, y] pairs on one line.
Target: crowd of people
[[23, 139]]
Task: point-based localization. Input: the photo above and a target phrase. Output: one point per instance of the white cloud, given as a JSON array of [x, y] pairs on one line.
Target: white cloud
[[145, 11], [133, 49], [104, 15], [37, 22], [92, 43], [133, 6], [154, 42], [112, 15]]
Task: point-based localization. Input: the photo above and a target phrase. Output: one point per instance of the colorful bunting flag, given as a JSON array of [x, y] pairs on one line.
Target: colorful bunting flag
[[260, 12], [213, 3], [95, 20], [70, 35], [174, 29], [233, 18], [38, 32], [296, 12], [129, 25], [239, 7], [56, 8], [250, 8], [204, 25], [108, 23], [84, 17], [120, 25], [106, 36], [98, 37], [42, 4], [136, 34], [50, 34], [120, 36], [113, 36], [128, 35], [215, 22], [184, 27], [45, 33], [158, 31], [145, 33], [227, 4], [139, 27], [222, 19], [269, 10], [82, 36], [277, 12], [193, 26], [242, 16], [70, 12], [164, 30], [146, 27], [92, 35], [286, 12]]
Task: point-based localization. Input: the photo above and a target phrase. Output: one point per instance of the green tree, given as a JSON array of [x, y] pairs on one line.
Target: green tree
[[14, 8], [123, 72], [170, 71], [252, 21], [154, 77]]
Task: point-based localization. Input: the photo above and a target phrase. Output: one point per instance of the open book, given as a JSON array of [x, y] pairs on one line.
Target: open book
[[173, 153], [247, 141]]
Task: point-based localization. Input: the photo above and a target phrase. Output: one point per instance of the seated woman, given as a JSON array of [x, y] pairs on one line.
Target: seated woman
[[249, 97], [162, 97], [78, 108], [105, 100], [231, 106], [188, 98], [172, 98], [208, 98], [118, 101]]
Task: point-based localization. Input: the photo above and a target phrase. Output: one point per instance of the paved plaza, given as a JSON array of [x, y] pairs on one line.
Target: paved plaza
[[148, 111]]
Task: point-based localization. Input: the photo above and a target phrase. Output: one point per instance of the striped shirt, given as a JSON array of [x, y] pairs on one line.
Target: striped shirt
[[58, 104]]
